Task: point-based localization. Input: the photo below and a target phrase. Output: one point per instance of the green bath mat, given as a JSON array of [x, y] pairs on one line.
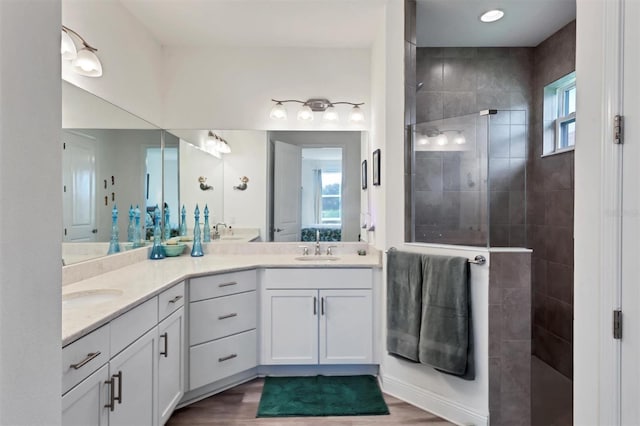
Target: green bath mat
[[321, 396]]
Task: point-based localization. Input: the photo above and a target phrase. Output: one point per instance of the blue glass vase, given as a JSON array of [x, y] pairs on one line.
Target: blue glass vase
[[183, 222], [196, 251], [157, 252], [137, 231], [167, 228], [114, 245], [207, 228], [131, 229]]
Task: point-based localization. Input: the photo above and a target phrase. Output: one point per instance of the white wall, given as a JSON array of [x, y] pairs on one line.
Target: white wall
[[232, 87], [464, 402], [30, 213], [131, 58], [248, 157], [195, 163]]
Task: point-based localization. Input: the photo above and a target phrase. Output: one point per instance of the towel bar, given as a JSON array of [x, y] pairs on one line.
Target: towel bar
[[478, 260]]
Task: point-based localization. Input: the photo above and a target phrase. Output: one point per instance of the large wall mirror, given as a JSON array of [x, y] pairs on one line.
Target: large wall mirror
[[272, 186]]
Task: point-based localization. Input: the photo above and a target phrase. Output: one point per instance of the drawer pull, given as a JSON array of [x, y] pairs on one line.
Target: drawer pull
[[228, 284], [227, 358], [175, 299], [227, 316], [165, 352], [315, 305], [322, 307], [90, 356]]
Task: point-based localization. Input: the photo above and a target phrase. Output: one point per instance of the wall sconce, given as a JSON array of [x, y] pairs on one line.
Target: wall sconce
[[329, 113], [83, 61], [440, 137], [217, 144]]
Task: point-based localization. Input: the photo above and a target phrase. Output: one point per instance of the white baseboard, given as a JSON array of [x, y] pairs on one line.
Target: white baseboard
[[436, 404]]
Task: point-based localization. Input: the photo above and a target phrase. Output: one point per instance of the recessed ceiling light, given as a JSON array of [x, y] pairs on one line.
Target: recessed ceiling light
[[492, 15]]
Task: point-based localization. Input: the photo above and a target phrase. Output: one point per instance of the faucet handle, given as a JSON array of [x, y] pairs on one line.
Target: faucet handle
[[305, 250], [329, 251]]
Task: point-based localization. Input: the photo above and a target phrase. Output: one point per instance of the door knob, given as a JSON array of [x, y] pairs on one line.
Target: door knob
[[278, 230], [94, 231]]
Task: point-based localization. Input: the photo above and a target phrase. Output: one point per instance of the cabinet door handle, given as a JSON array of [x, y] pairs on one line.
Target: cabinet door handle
[[165, 352], [90, 356], [175, 299], [221, 317], [119, 397], [322, 307], [227, 358], [111, 405], [315, 304], [112, 397], [227, 284]]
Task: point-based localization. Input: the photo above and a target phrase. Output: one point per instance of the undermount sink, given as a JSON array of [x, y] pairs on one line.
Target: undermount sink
[[89, 298], [317, 258], [231, 238]]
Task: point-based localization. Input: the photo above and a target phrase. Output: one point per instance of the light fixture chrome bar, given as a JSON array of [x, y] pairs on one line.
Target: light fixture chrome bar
[[84, 42]]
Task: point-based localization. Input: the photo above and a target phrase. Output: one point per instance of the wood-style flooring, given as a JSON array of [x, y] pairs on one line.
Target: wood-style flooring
[[238, 406]]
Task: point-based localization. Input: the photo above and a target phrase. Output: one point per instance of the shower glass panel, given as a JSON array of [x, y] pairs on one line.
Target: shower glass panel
[[468, 180]]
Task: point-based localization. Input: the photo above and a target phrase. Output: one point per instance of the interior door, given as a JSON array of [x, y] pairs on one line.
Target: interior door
[[79, 186], [630, 292], [287, 186]]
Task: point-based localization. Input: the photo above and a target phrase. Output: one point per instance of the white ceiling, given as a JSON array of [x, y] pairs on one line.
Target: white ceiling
[[273, 23], [455, 23]]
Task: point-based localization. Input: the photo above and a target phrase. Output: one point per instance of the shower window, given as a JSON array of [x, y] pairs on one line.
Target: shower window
[[560, 115]]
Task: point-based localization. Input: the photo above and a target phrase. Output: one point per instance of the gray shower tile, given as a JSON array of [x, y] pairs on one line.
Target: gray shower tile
[[517, 171], [560, 319], [539, 310], [460, 52], [495, 369], [456, 104], [519, 100], [493, 74], [470, 207], [516, 208], [560, 281], [432, 52], [518, 117], [499, 208], [499, 174], [495, 330], [492, 52], [510, 270], [516, 366], [430, 72], [559, 207], [559, 243], [516, 309], [428, 174], [491, 99], [459, 75], [516, 409], [428, 207], [517, 236], [499, 235], [429, 106], [451, 208], [539, 275], [557, 171]]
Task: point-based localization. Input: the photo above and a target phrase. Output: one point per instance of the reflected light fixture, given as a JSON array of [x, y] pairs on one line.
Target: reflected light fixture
[[306, 112], [83, 61], [442, 139], [492, 15], [217, 144], [459, 138]]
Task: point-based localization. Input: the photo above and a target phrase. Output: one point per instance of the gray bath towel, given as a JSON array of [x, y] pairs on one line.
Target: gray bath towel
[[404, 303], [446, 335]]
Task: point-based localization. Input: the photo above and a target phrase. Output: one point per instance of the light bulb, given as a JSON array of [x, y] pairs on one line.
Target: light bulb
[[491, 15], [67, 47], [423, 140], [223, 147], [356, 115], [211, 143], [442, 139], [87, 64], [305, 113], [459, 139], [278, 112], [330, 115]]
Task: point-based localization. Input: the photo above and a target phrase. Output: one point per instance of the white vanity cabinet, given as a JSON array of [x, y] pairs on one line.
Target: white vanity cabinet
[[120, 375], [222, 326], [312, 316]]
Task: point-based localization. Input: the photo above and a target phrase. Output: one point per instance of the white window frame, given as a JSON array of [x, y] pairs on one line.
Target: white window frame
[[554, 104]]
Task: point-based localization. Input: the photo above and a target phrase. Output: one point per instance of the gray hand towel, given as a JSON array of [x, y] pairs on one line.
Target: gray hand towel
[[446, 333], [404, 303]]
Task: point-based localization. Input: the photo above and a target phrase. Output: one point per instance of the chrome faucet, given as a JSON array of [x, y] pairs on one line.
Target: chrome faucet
[[317, 250], [216, 227]]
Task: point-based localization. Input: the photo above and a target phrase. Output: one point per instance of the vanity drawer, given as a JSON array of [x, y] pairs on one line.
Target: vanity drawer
[[84, 356], [222, 358], [221, 285], [129, 326], [215, 318], [320, 278], [170, 300]]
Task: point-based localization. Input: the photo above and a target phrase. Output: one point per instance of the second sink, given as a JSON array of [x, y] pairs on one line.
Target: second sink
[[317, 258]]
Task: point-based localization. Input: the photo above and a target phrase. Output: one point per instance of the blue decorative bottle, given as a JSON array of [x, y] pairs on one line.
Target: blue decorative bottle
[[137, 231], [131, 230], [183, 223], [114, 245], [157, 252], [196, 251], [167, 227], [207, 228]]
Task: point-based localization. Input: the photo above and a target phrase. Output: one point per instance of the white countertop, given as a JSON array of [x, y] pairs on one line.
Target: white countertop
[[143, 280]]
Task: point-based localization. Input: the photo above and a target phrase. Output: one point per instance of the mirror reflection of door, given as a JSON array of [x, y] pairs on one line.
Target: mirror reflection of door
[[321, 193], [79, 186], [286, 192]]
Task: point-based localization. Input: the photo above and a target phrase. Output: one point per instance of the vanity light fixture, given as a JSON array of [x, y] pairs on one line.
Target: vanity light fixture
[[459, 138], [83, 61], [330, 115], [217, 144], [492, 16]]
